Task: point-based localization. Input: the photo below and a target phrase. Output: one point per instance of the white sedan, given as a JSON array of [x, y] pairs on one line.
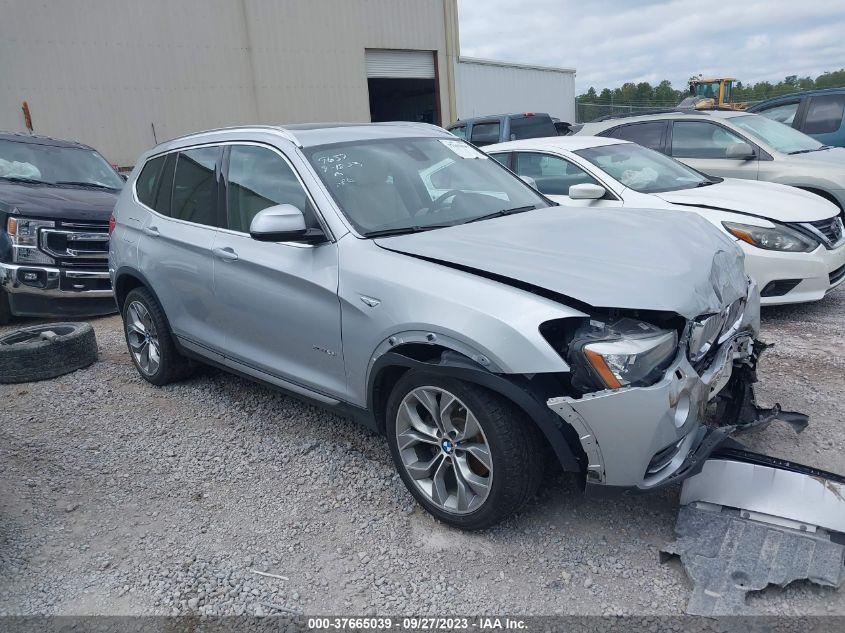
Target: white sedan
[[793, 240]]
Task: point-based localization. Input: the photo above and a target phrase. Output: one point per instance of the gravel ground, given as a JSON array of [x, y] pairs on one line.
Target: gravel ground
[[217, 496]]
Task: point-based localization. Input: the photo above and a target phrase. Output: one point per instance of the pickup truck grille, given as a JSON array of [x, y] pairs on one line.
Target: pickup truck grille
[[77, 244]]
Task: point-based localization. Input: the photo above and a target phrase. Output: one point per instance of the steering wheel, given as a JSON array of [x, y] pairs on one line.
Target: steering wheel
[[437, 204]]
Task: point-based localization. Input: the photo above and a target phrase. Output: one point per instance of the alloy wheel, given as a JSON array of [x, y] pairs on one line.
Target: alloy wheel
[[143, 338], [444, 450]]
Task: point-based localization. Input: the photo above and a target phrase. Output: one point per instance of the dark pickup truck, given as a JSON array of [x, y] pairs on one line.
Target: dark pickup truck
[[497, 128], [56, 198]]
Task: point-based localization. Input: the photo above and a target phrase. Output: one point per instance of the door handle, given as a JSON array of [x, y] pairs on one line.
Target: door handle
[[226, 254], [152, 231]]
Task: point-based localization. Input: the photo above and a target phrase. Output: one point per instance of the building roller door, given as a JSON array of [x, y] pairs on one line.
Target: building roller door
[[402, 85]]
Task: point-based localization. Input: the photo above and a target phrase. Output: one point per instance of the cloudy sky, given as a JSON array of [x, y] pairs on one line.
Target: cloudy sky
[[610, 42]]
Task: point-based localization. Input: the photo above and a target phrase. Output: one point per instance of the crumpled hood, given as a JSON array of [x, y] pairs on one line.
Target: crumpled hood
[[607, 258], [68, 203], [764, 199]]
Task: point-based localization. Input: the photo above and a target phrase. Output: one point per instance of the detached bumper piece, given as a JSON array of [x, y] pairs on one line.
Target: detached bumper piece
[[748, 521], [736, 405]]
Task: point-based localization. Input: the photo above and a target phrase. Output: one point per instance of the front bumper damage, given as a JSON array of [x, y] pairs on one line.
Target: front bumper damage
[[746, 520], [644, 438]]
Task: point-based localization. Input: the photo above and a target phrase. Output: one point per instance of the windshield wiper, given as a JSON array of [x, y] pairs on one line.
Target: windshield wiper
[[706, 183], [807, 151], [84, 184], [500, 213], [404, 230], [31, 181]]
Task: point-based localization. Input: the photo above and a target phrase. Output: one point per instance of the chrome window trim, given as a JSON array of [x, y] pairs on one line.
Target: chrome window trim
[[318, 213]]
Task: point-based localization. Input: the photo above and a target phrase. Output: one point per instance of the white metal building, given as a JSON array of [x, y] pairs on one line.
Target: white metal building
[[121, 75], [483, 86]]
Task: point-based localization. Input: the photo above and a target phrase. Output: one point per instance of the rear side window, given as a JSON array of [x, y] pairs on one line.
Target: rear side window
[[824, 115], [531, 127], [146, 186], [195, 186], [700, 139], [165, 188], [259, 178], [646, 134], [782, 113], [485, 133]]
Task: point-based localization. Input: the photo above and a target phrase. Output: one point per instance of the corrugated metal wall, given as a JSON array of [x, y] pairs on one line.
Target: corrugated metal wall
[[106, 71], [495, 88]]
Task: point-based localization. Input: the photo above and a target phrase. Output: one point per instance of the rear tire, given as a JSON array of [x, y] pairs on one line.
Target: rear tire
[[438, 462], [150, 342]]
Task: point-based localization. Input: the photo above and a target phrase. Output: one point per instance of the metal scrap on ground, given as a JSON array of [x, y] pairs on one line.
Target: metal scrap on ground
[[748, 521]]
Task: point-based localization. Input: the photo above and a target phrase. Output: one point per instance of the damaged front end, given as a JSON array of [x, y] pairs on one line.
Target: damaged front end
[[648, 417]]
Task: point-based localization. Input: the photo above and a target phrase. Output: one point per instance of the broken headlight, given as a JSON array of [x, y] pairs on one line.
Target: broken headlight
[[626, 353], [777, 238], [707, 331], [703, 335]]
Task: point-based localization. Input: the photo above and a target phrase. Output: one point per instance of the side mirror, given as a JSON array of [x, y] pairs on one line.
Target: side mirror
[[528, 180], [740, 151], [586, 191], [283, 223]]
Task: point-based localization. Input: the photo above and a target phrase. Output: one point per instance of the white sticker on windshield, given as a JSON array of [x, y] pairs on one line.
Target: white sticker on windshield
[[462, 149]]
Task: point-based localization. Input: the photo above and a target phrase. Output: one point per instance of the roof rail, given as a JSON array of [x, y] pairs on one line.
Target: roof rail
[[628, 115], [283, 131]]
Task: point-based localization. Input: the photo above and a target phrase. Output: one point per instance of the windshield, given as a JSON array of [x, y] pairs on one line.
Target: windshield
[[418, 183], [51, 165], [781, 137], [643, 169]]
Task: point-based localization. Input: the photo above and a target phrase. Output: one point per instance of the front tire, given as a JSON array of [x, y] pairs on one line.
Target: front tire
[[150, 342], [467, 455]]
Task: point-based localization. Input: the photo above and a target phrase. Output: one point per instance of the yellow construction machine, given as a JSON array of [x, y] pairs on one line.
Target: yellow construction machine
[[708, 94]]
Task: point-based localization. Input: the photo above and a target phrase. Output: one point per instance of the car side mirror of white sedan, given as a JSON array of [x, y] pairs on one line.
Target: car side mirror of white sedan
[[528, 180], [740, 151], [586, 191]]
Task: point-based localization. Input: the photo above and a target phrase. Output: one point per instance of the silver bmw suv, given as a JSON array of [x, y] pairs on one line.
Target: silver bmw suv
[[396, 274]]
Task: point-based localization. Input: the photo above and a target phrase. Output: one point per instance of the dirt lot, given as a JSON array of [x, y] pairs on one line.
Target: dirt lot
[[117, 497]]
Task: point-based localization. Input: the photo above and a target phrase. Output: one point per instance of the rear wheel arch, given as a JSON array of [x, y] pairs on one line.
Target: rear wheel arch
[[124, 283]]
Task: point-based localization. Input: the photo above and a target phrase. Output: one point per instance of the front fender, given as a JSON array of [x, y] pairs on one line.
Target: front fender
[[520, 390]]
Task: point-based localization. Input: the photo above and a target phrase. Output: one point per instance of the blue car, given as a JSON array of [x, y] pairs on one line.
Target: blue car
[[818, 113]]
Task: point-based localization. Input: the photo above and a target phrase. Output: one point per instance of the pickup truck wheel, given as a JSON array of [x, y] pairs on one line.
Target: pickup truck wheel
[[467, 455], [150, 342], [41, 352], [5, 309]]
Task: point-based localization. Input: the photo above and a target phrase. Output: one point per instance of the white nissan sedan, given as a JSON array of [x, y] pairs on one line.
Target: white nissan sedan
[[793, 240]]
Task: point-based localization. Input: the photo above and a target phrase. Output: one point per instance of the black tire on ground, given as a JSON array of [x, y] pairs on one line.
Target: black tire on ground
[[5, 310], [41, 352], [172, 365], [516, 448]]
